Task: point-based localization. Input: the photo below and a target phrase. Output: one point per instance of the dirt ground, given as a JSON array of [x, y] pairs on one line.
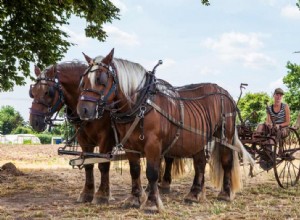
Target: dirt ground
[[37, 183]]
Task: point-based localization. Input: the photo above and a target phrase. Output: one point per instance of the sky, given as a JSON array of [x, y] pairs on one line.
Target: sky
[[228, 43]]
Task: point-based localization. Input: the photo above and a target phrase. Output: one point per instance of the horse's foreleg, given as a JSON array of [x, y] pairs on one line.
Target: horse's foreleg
[[103, 193], [226, 157], [154, 202], [165, 185], [138, 195], [197, 191], [88, 190], [152, 152]]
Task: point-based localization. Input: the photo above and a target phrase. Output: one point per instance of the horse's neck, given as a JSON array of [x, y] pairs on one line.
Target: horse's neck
[[71, 95], [70, 90]]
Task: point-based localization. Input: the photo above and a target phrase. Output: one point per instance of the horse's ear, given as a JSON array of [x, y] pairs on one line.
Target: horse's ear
[[108, 59], [87, 58], [37, 70]]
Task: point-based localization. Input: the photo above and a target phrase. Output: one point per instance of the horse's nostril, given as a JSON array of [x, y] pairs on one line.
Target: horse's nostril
[[85, 110]]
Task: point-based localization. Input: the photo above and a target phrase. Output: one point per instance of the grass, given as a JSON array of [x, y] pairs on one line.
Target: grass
[[50, 187]]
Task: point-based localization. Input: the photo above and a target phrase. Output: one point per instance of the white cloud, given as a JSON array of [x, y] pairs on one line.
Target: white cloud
[[244, 48], [75, 37], [121, 37], [290, 12], [278, 83]]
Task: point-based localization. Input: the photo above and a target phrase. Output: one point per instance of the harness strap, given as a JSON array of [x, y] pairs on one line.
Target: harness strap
[[120, 146], [226, 144], [115, 131], [178, 128], [173, 120], [188, 128], [223, 119]]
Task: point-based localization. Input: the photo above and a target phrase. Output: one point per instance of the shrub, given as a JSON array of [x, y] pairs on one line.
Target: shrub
[[27, 142], [22, 130], [45, 138]]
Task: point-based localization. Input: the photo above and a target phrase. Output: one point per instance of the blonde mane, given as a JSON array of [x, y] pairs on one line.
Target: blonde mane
[[131, 76]]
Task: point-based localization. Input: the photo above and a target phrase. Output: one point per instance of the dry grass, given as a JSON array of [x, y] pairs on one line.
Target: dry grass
[[50, 187]]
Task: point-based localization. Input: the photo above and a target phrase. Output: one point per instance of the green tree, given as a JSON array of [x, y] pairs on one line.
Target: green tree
[[30, 31], [253, 107], [292, 81], [9, 119]]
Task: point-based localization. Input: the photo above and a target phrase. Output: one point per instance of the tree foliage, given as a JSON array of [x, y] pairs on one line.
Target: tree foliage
[[205, 2], [9, 119], [253, 107], [292, 81], [22, 130], [30, 31]]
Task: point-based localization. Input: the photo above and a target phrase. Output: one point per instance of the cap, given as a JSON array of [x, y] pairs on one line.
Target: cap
[[279, 91]]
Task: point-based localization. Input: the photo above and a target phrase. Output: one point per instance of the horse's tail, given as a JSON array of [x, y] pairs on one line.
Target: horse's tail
[[178, 168], [216, 169]]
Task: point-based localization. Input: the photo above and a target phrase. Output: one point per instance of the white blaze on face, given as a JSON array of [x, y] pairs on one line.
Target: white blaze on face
[[43, 82], [92, 76]]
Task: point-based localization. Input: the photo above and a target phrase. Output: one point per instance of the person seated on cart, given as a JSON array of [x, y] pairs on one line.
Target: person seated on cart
[[279, 114], [276, 127]]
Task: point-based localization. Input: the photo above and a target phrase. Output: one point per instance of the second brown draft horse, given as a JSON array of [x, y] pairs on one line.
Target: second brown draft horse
[[56, 86], [154, 120]]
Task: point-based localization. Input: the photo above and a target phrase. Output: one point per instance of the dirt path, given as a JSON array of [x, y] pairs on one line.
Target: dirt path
[[47, 188]]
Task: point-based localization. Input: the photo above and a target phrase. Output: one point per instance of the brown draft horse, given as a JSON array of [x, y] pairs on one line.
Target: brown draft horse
[[56, 86], [168, 125]]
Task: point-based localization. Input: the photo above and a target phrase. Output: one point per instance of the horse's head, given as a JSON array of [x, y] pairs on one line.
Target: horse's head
[[98, 85], [47, 97]]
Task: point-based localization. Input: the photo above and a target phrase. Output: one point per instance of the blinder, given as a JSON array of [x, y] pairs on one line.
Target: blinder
[[30, 91], [51, 91], [102, 79]]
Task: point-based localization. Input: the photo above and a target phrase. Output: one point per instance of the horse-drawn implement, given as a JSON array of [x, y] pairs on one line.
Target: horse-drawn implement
[[273, 150]]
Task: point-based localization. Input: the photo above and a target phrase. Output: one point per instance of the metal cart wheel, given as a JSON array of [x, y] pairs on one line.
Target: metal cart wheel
[[286, 159]]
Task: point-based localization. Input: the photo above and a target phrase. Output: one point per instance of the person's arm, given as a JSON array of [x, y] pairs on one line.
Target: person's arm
[[269, 121]]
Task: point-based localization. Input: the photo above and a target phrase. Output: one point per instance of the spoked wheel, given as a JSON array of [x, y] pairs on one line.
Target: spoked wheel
[[287, 160]]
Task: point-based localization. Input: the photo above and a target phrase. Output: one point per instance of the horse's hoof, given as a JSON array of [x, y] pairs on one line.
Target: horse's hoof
[[85, 197], [132, 202], [100, 200], [135, 202], [196, 197], [154, 206], [192, 198], [225, 197]]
